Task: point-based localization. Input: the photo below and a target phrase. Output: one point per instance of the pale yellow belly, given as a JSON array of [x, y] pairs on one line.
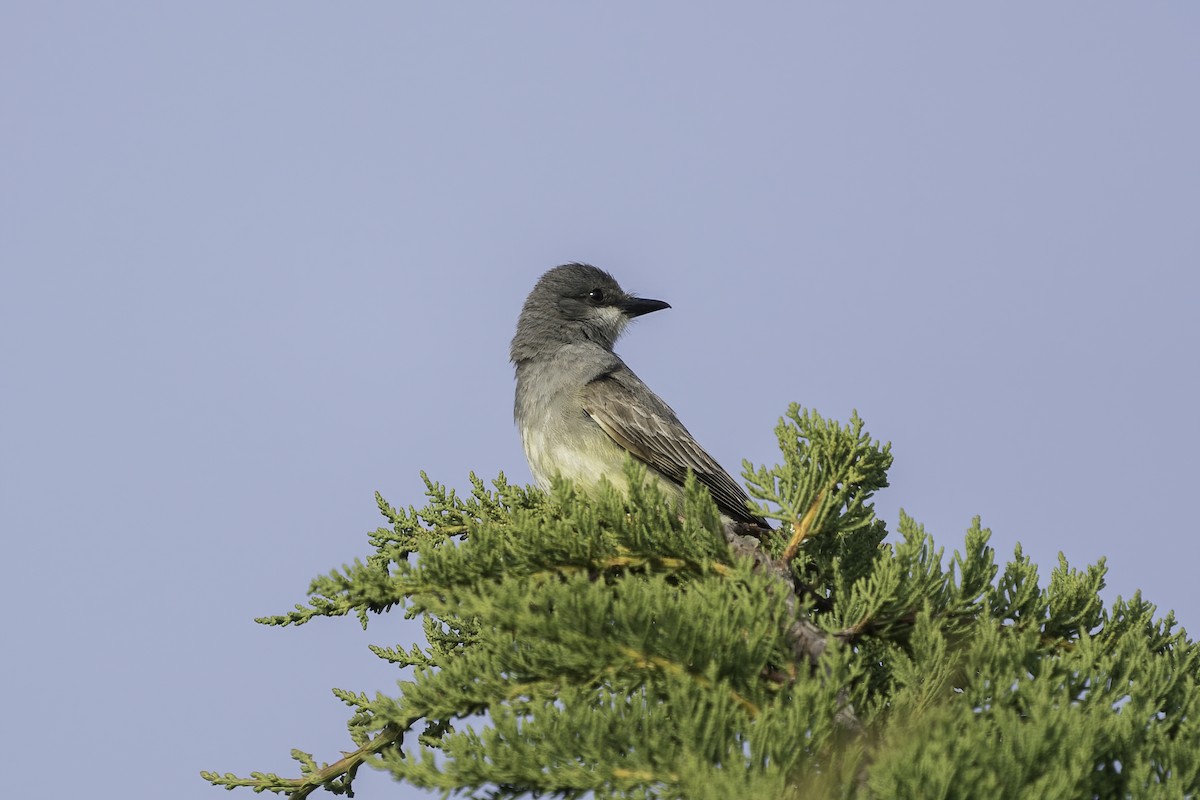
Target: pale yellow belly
[[586, 465]]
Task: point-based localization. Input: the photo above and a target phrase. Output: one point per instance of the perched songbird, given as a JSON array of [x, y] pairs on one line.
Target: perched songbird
[[580, 410]]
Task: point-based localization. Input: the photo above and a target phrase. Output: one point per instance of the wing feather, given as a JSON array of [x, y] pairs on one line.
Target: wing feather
[[639, 421]]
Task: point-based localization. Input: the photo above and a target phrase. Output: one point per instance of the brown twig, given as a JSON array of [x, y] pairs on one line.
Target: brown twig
[[802, 527], [808, 640], [300, 788], [347, 765]]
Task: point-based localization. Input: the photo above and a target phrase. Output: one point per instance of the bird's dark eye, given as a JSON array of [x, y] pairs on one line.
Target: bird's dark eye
[[597, 296]]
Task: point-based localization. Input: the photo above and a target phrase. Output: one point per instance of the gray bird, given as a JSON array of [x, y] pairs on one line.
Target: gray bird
[[580, 410]]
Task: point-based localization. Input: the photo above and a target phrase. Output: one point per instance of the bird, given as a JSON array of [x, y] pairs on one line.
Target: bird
[[581, 410]]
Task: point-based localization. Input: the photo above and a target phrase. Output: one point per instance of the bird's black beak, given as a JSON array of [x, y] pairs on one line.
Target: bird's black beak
[[636, 306]]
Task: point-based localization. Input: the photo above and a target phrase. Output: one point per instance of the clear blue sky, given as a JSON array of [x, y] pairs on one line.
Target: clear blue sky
[[262, 259]]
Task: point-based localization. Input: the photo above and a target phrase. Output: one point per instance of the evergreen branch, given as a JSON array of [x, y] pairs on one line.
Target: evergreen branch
[[802, 527], [624, 645], [642, 776], [808, 640], [656, 563], [642, 661], [337, 777], [669, 564], [614, 563], [529, 688]]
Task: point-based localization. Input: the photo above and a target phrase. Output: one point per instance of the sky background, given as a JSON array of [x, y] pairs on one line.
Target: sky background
[[260, 260]]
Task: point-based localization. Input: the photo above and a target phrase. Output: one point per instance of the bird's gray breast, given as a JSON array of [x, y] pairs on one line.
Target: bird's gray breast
[[558, 435]]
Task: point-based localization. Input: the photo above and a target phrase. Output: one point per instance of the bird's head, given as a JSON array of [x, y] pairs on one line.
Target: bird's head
[[572, 304]]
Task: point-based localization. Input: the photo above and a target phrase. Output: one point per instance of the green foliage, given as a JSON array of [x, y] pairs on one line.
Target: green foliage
[[616, 645]]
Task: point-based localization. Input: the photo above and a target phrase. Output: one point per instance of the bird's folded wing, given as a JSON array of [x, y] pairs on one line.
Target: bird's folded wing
[[640, 422]]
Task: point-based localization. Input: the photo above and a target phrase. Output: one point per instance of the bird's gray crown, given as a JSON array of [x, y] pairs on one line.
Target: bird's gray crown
[[575, 304]]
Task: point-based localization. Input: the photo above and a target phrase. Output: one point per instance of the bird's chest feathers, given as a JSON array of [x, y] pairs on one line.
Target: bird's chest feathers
[[570, 444], [586, 466]]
